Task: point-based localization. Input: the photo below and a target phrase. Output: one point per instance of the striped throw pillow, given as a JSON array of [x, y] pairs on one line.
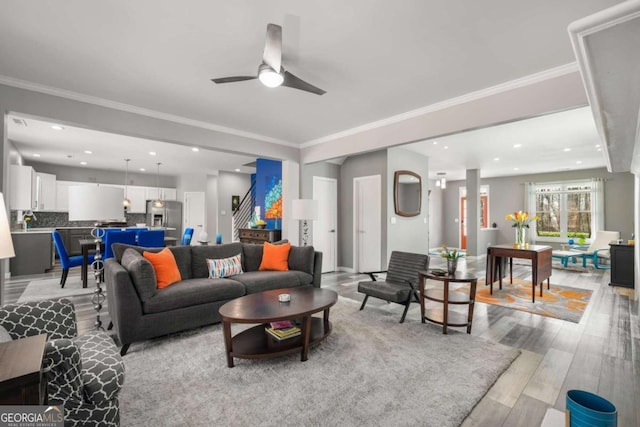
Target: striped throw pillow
[[224, 267]]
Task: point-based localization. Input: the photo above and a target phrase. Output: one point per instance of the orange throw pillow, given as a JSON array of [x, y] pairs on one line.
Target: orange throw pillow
[[165, 266], [275, 257]]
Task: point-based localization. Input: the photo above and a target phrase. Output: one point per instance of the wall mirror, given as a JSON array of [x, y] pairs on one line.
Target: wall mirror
[[407, 193]]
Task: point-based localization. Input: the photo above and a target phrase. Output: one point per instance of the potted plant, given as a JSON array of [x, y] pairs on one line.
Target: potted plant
[[452, 256]]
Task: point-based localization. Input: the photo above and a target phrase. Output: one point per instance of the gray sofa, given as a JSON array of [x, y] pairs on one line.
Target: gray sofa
[[139, 311]]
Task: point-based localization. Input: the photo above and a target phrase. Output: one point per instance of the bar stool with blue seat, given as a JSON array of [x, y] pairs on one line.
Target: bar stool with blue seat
[[66, 261], [117, 236], [186, 237], [151, 239]]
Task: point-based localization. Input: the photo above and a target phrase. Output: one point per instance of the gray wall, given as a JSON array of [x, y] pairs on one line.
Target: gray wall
[[229, 184], [436, 216], [307, 172], [363, 165], [507, 195], [409, 234]]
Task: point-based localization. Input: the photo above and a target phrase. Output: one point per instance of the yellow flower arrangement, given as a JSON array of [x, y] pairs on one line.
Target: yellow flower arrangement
[[450, 253], [521, 219]]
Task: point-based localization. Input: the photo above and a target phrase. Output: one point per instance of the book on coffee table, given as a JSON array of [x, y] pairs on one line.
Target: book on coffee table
[[283, 324], [283, 334]]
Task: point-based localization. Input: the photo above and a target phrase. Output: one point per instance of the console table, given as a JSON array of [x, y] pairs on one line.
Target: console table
[[540, 256], [22, 381], [257, 235]]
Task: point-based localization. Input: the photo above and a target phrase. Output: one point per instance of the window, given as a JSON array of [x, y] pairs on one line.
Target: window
[[567, 209]]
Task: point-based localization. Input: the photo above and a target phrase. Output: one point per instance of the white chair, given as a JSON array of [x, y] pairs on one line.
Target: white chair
[[599, 248]]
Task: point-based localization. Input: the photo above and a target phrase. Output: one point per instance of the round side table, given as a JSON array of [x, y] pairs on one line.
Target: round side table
[[443, 316]]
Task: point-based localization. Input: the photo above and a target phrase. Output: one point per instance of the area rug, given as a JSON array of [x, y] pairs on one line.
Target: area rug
[[38, 290], [371, 370], [561, 302]]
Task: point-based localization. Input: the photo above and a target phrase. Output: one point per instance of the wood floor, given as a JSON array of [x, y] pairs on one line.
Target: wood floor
[[600, 354]]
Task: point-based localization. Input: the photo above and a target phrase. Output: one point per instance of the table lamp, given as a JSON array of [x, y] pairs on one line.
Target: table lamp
[[6, 244], [96, 203], [304, 210]]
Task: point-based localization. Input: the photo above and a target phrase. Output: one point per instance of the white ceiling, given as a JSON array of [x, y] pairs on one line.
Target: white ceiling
[[375, 58], [36, 140], [555, 142]]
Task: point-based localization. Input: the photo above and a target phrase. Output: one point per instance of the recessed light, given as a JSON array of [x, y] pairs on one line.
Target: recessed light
[[88, 152], [597, 145], [515, 169], [446, 147], [152, 153], [517, 145], [237, 170], [496, 158], [195, 149], [435, 142], [83, 163], [566, 149], [142, 169], [36, 154], [57, 127], [599, 149], [578, 162]]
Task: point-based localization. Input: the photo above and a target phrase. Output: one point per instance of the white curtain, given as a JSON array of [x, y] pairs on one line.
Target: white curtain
[[597, 220], [530, 206]]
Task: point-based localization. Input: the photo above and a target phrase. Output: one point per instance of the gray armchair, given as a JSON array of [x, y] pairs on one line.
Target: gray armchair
[[401, 283], [84, 373]]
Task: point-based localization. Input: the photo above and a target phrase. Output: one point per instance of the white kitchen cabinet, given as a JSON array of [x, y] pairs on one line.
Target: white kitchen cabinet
[[151, 193], [45, 192], [138, 197], [169, 193], [22, 191]]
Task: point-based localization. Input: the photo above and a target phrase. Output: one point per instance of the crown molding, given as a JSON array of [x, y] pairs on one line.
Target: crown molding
[[472, 96], [36, 87]]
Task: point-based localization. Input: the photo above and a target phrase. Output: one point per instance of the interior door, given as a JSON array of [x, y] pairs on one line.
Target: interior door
[[325, 236], [463, 223], [194, 214], [367, 224]]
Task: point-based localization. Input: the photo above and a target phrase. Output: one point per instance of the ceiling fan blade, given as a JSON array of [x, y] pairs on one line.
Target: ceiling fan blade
[[296, 83], [233, 79], [272, 55]]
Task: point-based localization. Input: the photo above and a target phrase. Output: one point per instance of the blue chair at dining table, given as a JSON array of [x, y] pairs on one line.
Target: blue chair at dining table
[[66, 261], [151, 238], [117, 236], [187, 236]]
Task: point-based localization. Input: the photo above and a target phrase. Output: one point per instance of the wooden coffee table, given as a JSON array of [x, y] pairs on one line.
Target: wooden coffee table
[[264, 307]]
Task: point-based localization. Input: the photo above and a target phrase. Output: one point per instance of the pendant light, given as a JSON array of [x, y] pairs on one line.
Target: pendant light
[[158, 203], [126, 201]]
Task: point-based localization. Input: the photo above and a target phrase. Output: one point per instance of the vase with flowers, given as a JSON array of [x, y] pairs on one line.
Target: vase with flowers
[[452, 256], [521, 221]]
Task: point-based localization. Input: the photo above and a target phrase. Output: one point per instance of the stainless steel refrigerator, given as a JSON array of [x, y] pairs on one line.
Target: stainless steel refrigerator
[[169, 216]]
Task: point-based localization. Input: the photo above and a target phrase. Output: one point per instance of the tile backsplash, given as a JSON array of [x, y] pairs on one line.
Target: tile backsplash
[[61, 219]]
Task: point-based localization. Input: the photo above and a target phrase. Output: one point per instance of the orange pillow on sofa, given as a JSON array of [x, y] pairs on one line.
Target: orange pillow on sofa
[[275, 257], [165, 266]]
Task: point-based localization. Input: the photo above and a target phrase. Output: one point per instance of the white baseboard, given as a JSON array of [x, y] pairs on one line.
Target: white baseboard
[[346, 269]]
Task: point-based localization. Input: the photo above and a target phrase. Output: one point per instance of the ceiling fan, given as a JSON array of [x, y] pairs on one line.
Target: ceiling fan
[[270, 72]]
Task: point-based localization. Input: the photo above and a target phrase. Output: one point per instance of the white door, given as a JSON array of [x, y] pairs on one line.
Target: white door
[[325, 191], [194, 213], [367, 224]]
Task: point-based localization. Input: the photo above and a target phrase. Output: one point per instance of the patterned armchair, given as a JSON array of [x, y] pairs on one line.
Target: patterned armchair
[[84, 373]]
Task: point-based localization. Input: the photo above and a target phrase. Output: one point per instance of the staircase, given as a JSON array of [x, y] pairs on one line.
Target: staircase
[[242, 215]]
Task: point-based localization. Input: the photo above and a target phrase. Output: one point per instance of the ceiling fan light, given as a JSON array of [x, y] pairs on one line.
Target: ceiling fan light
[[269, 77]]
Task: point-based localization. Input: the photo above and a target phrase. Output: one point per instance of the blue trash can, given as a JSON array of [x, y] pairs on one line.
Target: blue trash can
[[588, 409]]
